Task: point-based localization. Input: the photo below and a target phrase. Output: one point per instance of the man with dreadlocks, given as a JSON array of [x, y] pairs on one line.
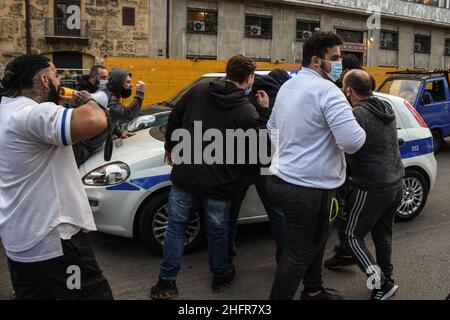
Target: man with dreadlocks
[[44, 211]]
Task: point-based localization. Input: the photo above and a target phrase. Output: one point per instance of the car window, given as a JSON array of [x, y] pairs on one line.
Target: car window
[[405, 88]]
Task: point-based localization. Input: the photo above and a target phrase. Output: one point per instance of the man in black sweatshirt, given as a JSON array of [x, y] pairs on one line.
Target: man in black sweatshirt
[[377, 174], [199, 185]]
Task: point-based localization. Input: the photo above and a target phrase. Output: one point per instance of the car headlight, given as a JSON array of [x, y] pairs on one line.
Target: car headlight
[[109, 174]]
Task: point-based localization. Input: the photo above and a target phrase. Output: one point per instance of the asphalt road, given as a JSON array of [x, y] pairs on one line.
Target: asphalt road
[[421, 257]]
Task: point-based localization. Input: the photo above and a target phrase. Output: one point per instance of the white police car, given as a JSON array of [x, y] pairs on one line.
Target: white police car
[[128, 195]]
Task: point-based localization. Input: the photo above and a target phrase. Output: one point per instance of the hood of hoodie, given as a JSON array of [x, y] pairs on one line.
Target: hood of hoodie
[[227, 95], [85, 83], [379, 108], [116, 78]]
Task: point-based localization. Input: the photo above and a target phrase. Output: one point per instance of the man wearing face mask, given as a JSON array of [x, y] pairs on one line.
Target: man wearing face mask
[[119, 87], [44, 211], [96, 80], [377, 174], [311, 126]]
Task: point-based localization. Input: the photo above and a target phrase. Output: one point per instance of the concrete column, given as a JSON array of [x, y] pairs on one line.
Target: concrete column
[[406, 46]]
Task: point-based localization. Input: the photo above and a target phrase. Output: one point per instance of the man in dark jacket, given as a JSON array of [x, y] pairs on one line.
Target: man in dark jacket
[[96, 80], [118, 87], [270, 84], [201, 185], [377, 174]]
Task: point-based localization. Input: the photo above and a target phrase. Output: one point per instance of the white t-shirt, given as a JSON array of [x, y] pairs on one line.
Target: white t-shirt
[[42, 199]]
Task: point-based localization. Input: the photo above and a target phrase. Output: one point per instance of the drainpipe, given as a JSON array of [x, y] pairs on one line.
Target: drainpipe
[[28, 26], [168, 30]]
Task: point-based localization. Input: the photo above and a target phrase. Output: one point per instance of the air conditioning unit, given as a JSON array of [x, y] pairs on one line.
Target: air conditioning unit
[[255, 30], [304, 35], [383, 44], [418, 47], [199, 25]]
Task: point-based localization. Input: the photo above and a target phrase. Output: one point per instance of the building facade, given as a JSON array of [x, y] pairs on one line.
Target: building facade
[[408, 34]]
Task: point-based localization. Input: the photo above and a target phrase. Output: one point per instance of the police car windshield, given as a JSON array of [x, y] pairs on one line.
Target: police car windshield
[[405, 88]]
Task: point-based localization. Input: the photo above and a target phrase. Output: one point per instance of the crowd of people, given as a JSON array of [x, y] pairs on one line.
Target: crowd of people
[[335, 158]]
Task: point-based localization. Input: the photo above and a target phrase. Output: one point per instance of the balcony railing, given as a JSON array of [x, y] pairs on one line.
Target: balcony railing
[[58, 28]]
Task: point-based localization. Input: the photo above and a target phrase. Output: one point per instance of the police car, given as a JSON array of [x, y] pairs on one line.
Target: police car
[[128, 195]]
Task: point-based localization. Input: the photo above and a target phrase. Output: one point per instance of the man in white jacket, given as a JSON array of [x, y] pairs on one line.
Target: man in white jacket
[[313, 126]]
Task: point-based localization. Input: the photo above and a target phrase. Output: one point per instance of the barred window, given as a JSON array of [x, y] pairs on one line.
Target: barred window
[[305, 29], [351, 36], [447, 47], [201, 21], [422, 43], [257, 26], [389, 40], [128, 16]]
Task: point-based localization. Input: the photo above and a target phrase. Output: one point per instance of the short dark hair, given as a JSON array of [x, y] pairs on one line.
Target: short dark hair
[[318, 45], [93, 72], [279, 75], [350, 61], [239, 68], [362, 82], [20, 73]]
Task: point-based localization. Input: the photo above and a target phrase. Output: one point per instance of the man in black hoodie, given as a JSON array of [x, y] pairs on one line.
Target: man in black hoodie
[[377, 174], [201, 186], [119, 86]]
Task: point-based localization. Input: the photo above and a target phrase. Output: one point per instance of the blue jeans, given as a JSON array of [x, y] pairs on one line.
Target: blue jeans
[[182, 208], [275, 215]]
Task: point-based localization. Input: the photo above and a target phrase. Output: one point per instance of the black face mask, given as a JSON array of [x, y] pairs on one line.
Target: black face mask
[[53, 94], [126, 93]]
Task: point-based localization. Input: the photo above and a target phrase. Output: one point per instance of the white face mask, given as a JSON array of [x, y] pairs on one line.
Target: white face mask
[[102, 84]]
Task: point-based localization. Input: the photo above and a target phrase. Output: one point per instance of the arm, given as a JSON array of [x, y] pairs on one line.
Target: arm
[[87, 121], [349, 135], [128, 113], [175, 120]]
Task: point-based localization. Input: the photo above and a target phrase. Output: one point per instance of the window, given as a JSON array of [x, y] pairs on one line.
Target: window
[[447, 47], [62, 16], [422, 44], [305, 29], [201, 21], [351, 36], [128, 16], [258, 26], [434, 92], [389, 40]]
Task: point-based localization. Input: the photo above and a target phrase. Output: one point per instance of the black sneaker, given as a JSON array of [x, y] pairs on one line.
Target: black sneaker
[[220, 284], [325, 294], [338, 261], [164, 290], [387, 291]]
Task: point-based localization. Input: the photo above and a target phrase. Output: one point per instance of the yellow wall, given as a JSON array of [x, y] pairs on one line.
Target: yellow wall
[[165, 77]]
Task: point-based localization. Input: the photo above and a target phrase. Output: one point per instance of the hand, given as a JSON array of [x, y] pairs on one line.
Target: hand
[[168, 158], [263, 99], [141, 86], [127, 134], [81, 97]]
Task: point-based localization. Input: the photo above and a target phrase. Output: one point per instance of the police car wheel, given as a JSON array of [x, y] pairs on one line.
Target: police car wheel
[[415, 193], [437, 140], [153, 224]]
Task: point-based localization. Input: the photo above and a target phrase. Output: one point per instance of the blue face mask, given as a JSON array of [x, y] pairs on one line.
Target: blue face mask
[[102, 84], [336, 70]]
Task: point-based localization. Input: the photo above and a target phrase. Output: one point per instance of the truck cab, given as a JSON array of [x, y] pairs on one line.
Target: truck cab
[[429, 93]]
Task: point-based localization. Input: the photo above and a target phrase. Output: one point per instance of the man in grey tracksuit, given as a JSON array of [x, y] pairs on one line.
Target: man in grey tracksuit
[[377, 173]]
